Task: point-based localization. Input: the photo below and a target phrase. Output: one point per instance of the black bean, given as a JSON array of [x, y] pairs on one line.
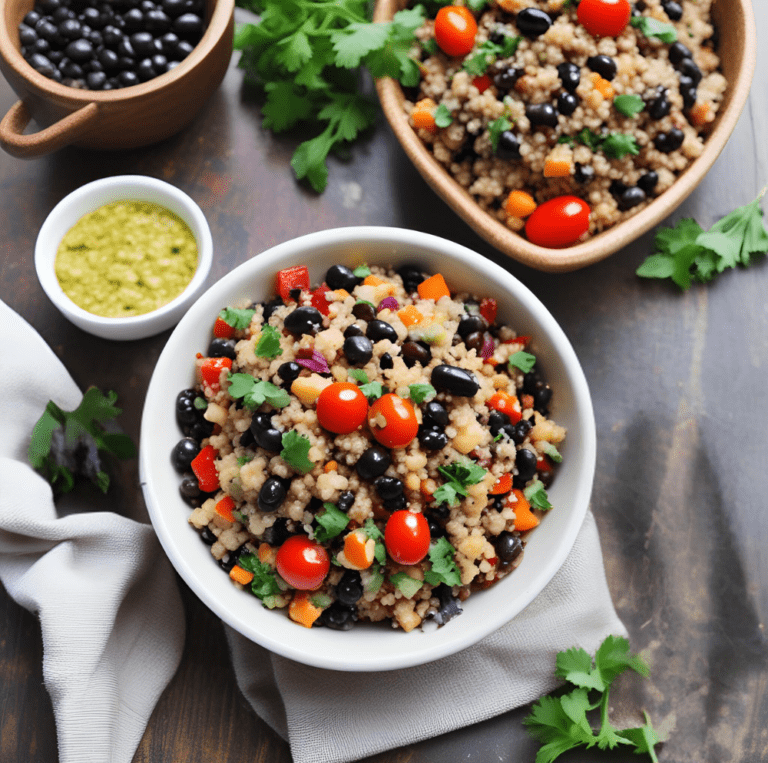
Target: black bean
[[168, 43], [688, 91], [207, 536], [605, 66], [520, 431], [616, 188], [186, 413], [353, 330], [673, 10], [508, 146], [174, 8], [142, 43], [349, 589], [246, 439], [470, 323], [395, 504], [183, 454], [506, 79], [435, 531], [570, 76], [660, 106], [42, 64], [341, 277], [278, 533], [272, 494], [567, 103], [533, 22], [689, 68], [412, 277], [133, 20], [183, 49], [95, 80], [188, 26], [416, 352], [648, 182], [70, 29], [128, 78], [475, 341], [27, 35], [71, 70], [32, 18], [388, 487], [386, 362], [337, 617], [630, 198], [436, 414], [525, 462], [666, 142], [270, 439], [496, 421], [378, 330], [456, 381], [156, 21], [677, 52], [201, 429], [346, 499], [542, 114], [303, 320], [358, 350], [364, 311], [508, 547], [289, 372], [584, 173], [222, 348], [189, 490], [432, 440], [542, 396], [373, 463]]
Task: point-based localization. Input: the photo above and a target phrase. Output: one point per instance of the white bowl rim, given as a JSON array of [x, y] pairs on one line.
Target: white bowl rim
[[415, 650], [95, 194]]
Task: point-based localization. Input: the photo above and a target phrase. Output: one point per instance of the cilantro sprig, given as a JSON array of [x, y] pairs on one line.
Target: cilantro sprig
[[488, 51], [305, 56], [688, 253], [651, 27], [459, 475], [295, 451], [563, 722], [268, 345], [264, 585], [443, 569], [330, 523], [66, 445], [614, 145], [253, 392], [238, 318]]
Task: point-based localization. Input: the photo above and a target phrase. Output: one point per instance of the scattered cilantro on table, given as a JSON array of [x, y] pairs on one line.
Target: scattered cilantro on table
[[459, 475], [305, 55], [562, 723], [66, 445], [688, 253]]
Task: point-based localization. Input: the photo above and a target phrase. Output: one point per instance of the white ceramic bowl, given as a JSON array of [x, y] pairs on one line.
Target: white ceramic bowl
[[369, 647], [89, 198]]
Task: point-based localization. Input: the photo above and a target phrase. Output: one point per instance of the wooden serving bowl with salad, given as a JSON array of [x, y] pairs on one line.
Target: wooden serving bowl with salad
[[734, 23], [122, 118]]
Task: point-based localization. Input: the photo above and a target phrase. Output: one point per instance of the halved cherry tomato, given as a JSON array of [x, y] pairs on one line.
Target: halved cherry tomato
[[302, 563], [406, 537], [393, 421], [211, 369], [604, 18], [559, 222], [296, 277], [204, 468], [341, 407], [222, 329], [455, 30]]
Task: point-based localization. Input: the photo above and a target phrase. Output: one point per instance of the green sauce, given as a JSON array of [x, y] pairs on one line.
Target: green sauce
[[126, 258]]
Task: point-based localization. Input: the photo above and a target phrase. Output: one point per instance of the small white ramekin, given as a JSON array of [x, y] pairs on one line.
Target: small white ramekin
[[106, 191]]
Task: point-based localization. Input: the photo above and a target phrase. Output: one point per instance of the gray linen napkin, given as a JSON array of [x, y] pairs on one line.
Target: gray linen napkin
[[109, 607], [331, 716]]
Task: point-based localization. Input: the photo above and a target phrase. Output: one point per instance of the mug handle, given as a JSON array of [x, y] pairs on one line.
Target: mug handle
[[47, 140]]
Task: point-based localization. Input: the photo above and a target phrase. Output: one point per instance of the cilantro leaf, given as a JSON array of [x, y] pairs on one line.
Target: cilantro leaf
[[372, 390], [66, 445], [295, 451], [420, 392], [443, 568], [268, 345], [358, 375], [536, 495], [264, 585], [459, 474], [363, 271], [357, 40], [628, 105], [373, 532], [644, 738], [737, 236], [615, 145], [522, 360], [650, 27], [496, 128], [443, 116], [332, 522], [407, 585], [237, 318], [254, 392], [284, 106], [488, 51]]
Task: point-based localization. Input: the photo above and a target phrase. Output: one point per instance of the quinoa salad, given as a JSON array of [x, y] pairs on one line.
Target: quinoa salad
[[375, 448], [598, 103]]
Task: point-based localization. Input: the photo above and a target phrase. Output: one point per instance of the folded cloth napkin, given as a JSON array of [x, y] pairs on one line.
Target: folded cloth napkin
[[109, 607], [331, 716]]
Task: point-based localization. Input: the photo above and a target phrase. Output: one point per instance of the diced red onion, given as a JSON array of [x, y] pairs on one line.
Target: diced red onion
[[313, 361], [389, 303]]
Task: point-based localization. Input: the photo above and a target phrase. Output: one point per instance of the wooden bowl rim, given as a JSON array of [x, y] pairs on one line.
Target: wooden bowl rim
[[603, 244], [48, 88]]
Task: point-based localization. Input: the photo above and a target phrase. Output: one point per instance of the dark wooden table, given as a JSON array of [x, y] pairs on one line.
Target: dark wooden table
[[680, 386]]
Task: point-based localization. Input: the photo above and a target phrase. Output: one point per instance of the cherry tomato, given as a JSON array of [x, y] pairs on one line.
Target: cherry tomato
[[393, 421], [406, 537], [341, 407], [604, 18], [302, 563], [558, 222], [455, 30]]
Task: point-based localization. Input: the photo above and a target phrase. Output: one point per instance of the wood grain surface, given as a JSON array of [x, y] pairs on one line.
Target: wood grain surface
[[680, 387]]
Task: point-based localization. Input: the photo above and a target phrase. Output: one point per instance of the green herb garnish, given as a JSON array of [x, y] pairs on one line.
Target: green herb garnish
[[562, 723], [443, 116], [200, 403], [628, 105], [373, 532], [264, 585], [304, 55], [358, 375], [420, 392], [443, 568], [332, 522], [237, 318], [496, 128], [522, 360], [243, 460], [650, 27], [688, 253], [254, 392], [363, 271], [405, 584], [295, 451], [550, 451], [537, 496], [487, 52], [615, 145], [459, 474], [372, 390], [66, 445], [268, 345]]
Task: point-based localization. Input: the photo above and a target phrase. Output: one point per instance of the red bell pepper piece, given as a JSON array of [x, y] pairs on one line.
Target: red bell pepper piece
[[318, 299], [482, 83], [211, 369], [489, 309], [222, 329], [224, 507], [502, 486], [296, 277], [505, 403], [204, 468]]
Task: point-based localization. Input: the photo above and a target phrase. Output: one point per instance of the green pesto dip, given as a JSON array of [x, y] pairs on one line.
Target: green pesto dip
[[126, 258]]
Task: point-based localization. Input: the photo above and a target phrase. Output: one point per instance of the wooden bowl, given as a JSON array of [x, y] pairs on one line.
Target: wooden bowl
[[737, 50], [114, 119]]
